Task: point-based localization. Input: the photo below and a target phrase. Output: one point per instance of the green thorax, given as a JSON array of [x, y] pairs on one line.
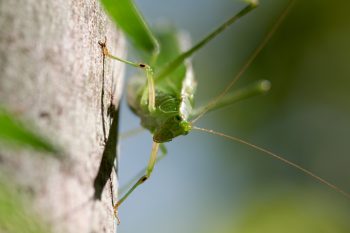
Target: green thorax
[[174, 94]]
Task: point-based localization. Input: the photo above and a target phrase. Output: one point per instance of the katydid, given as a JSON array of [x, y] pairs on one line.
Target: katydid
[[163, 96]]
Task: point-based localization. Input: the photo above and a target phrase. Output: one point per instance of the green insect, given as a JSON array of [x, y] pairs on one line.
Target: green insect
[[163, 96]]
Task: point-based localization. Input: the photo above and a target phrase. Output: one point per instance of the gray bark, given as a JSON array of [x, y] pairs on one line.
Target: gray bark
[[51, 75]]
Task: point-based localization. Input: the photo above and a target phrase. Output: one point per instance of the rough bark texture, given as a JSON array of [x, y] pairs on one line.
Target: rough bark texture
[[51, 74]]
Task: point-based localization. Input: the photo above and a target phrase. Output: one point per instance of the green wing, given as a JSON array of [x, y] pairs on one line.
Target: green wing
[[129, 19], [172, 44]]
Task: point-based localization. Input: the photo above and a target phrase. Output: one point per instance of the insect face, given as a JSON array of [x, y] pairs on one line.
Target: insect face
[[173, 127]]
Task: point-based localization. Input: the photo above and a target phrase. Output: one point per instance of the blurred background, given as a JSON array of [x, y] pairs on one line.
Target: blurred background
[[207, 183]]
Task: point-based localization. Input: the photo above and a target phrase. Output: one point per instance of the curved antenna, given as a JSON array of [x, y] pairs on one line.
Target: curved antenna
[[249, 61], [278, 157]]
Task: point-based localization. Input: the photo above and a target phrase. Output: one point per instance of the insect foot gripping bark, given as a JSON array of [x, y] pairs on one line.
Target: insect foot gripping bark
[[149, 93]]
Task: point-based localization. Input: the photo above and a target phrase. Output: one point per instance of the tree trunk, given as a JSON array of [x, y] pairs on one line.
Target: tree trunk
[[53, 74]]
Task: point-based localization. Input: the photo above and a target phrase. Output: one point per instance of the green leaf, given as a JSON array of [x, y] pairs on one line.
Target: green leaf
[[13, 132], [129, 19], [15, 214]]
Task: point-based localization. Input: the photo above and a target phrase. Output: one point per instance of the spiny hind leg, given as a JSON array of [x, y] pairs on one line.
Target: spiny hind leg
[[149, 96], [142, 179]]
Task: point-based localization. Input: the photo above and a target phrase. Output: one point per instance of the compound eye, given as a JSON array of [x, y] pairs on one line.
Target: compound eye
[[178, 118]]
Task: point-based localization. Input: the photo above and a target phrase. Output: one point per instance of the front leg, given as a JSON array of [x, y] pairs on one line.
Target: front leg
[[148, 70]]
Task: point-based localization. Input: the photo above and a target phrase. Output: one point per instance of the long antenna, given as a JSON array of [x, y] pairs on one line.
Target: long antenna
[[286, 161], [248, 62]]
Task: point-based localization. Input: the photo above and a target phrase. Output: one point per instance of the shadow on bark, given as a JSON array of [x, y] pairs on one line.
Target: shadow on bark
[[109, 155]]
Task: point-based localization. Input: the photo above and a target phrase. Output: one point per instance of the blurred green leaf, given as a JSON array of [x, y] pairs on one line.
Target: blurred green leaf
[[15, 214], [129, 19], [14, 133]]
